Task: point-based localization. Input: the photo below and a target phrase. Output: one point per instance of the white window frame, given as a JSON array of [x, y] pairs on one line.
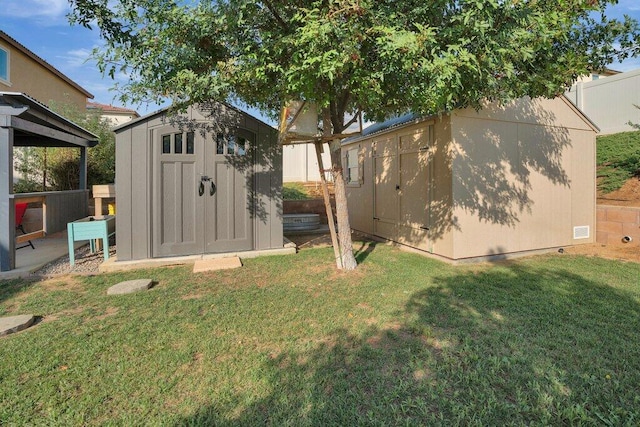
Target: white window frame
[[6, 81], [353, 166]]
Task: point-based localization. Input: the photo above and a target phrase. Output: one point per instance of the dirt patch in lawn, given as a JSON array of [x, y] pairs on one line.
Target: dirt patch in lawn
[[617, 252]]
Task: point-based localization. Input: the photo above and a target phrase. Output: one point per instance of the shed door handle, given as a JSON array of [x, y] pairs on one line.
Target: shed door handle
[[212, 190], [201, 188]]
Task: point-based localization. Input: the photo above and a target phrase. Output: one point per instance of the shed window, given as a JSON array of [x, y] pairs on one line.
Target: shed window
[[4, 65], [232, 145], [220, 144], [241, 146], [189, 142], [166, 144], [353, 166], [177, 142]]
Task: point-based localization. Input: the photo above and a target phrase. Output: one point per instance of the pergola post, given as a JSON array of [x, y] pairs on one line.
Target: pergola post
[[7, 210], [83, 168]]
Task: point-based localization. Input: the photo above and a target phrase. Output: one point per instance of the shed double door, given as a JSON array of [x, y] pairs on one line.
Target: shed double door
[[402, 179], [202, 193]]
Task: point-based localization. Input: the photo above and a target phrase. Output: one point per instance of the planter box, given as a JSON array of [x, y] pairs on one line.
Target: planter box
[[91, 229]]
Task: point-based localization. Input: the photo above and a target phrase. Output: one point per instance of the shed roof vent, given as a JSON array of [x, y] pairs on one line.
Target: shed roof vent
[[581, 232]]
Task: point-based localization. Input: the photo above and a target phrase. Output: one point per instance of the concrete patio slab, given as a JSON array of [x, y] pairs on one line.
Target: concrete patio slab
[[214, 264], [11, 324], [130, 286]]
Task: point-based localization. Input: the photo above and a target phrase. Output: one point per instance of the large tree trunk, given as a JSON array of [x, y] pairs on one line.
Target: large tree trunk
[[348, 260]]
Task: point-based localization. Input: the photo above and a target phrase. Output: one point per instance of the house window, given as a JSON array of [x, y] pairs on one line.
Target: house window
[[4, 65], [353, 166]]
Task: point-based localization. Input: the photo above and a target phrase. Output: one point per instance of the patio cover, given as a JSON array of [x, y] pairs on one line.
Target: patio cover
[[25, 122]]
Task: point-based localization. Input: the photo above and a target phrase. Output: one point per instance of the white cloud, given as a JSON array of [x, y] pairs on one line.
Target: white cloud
[[628, 6], [76, 58], [41, 10]]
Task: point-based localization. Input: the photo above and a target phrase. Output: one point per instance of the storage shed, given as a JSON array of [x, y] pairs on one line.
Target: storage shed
[[470, 184], [203, 182]]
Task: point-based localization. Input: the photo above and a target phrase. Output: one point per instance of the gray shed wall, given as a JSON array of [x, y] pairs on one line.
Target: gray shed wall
[[134, 185]]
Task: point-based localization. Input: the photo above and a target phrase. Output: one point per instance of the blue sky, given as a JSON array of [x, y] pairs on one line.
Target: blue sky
[[41, 25]]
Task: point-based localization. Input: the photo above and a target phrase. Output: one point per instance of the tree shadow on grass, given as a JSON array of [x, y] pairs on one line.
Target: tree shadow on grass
[[12, 287], [364, 250], [512, 345]]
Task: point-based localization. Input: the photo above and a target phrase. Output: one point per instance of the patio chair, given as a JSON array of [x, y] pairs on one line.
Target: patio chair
[[21, 208]]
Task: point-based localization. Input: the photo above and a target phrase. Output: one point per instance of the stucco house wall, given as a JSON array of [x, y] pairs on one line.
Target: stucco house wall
[[30, 74]]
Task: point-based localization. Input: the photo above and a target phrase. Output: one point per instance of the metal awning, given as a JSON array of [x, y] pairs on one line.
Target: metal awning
[[35, 125]]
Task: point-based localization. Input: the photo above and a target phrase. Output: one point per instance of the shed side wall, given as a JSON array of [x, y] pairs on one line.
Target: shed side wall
[[124, 203], [141, 191], [521, 181]]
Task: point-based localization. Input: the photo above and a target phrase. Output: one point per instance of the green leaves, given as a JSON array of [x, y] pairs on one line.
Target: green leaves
[[382, 57]]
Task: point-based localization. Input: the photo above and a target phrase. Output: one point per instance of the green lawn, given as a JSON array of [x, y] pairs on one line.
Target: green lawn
[[618, 159], [404, 340]]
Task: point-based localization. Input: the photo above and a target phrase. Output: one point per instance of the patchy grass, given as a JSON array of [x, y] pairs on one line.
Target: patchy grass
[[550, 340], [618, 159]]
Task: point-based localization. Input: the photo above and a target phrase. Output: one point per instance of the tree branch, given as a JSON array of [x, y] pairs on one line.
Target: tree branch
[[277, 16]]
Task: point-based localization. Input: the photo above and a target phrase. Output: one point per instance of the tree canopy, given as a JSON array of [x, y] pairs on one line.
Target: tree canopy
[[382, 57]]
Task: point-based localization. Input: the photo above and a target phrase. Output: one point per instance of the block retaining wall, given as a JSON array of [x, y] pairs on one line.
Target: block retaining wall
[[613, 223]]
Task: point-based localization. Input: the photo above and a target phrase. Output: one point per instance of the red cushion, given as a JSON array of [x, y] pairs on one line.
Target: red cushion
[[21, 208]]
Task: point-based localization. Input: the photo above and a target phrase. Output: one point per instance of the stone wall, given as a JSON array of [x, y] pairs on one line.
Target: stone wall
[[613, 223]]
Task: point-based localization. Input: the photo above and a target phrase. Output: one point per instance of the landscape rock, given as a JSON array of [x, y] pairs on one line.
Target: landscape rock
[[11, 324]]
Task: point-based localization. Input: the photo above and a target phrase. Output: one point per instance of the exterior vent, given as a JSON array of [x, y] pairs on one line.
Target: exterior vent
[[581, 232]]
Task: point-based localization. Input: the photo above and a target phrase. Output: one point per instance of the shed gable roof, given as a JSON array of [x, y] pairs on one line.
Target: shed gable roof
[[412, 118]]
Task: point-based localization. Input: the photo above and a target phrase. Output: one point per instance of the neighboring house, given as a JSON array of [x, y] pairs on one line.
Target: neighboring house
[[116, 115], [300, 163], [611, 102], [467, 184], [207, 181], [22, 71], [597, 75]]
